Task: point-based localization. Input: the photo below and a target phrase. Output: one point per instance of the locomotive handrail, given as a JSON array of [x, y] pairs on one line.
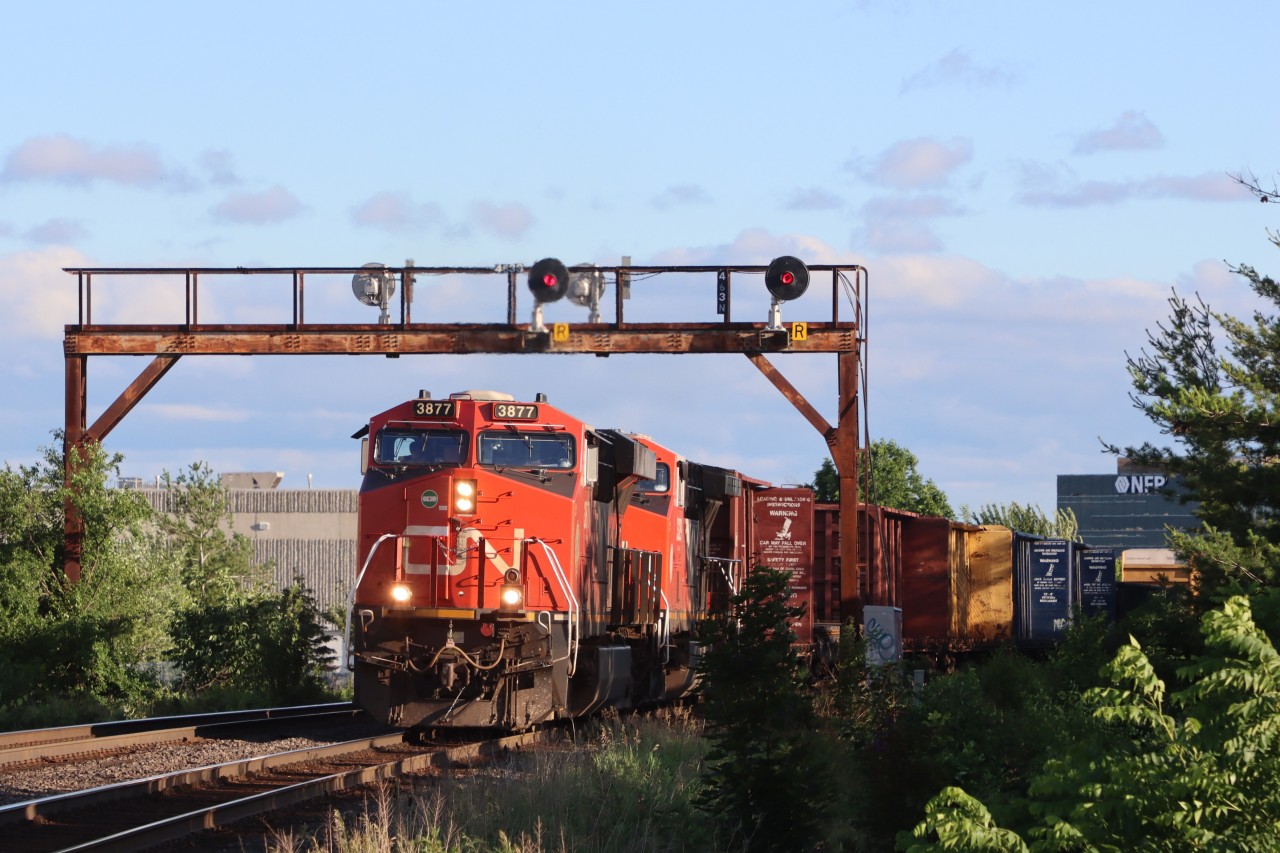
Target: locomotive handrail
[[351, 600], [572, 600], [728, 576], [664, 635]]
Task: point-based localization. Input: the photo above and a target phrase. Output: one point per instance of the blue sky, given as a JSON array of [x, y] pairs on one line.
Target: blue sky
[[1025, 183]]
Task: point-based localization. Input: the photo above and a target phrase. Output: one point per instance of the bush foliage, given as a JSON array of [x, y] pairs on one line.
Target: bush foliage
[[1198, 770], [151, 587]]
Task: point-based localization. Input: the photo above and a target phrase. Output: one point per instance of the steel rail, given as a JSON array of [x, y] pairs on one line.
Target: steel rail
[[145, 723], [33, 744], [222, 814]]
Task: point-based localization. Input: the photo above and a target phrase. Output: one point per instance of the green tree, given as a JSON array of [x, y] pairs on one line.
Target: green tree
[[78, 647], [215, 563], [1221, 411], [826, 483], [1027, 519], [768, 776], [235, 635], [893, 480]]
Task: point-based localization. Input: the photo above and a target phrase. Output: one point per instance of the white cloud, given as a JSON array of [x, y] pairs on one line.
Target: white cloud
[[57, 231], [756, 246], [958, 68], [897, 236], [220, 168], [681, 195], [1219, 286], [899, 225], [1041, 185], [395, 212], [916, 163], [943, 281], [275, 204], [1209, 186], [813, 198], [38, 297], [509, 221], [1132, 131], [63, 159]]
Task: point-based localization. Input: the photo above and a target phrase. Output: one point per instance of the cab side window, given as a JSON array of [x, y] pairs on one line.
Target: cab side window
[[660, 484]]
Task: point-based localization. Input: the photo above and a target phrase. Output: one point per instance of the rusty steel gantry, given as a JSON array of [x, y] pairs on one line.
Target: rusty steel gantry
[[166, 343]]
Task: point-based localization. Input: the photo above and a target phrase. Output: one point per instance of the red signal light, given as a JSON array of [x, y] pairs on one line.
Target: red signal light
[[787, 278], [548, 280]]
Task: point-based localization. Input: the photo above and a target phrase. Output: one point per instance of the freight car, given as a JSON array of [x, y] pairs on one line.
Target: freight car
[[521, 565], [960, 587]]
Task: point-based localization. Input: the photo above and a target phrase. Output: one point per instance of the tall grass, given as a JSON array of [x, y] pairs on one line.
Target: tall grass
[[625, 786]]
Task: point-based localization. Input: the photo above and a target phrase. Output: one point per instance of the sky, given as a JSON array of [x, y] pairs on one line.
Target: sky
[[1025, 184]]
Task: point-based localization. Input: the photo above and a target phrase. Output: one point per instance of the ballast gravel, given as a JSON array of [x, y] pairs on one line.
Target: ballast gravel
[[30, 781]]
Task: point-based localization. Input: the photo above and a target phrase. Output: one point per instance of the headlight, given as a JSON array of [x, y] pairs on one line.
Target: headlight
[[464, 496], [401, 594], [512, 596]]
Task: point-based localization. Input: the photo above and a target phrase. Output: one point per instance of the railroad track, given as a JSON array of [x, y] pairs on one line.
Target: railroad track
[[45, 744], [146, 812]]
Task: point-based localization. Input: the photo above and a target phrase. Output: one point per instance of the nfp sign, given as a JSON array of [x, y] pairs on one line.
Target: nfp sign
[[1139, 484]]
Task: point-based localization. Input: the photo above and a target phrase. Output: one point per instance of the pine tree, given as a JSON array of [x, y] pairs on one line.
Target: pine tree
[[1221, 411], [768, 773]]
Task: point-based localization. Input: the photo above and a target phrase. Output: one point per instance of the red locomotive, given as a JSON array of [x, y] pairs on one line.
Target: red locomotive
[[522, 566]]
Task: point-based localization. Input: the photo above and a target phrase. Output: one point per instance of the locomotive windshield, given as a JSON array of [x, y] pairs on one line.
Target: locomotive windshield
[[509, 449], [660, 483], [405, 446]]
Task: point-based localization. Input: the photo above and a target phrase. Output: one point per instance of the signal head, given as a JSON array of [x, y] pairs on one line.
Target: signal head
[[787, 278], [548, 280], [373, 284]]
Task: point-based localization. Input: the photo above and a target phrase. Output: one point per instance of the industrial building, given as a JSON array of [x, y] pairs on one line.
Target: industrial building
[[1132, 508], [303, 533]]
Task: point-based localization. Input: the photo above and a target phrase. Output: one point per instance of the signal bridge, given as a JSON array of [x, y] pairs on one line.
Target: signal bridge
[[396, 333]]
